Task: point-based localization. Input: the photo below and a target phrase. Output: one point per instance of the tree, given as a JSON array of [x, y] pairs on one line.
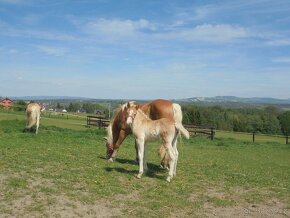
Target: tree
[[58, 106], [284, 119], [89, 107], [73, 107]]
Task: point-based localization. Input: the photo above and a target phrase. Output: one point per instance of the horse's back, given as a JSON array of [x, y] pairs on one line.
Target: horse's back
[[159, 108]]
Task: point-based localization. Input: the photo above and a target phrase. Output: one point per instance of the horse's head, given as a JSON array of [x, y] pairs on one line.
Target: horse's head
[[42, 107], [110, 149], [131, 111]]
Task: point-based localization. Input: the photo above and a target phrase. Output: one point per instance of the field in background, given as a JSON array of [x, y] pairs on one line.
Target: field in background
[[78, 122], [61, 172]]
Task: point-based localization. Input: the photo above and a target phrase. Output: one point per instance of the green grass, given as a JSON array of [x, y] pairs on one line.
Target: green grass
[[64, 165], [248, 137]]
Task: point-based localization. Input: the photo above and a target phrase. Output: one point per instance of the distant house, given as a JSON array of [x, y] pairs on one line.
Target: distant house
[[6, 103], [98, 112]]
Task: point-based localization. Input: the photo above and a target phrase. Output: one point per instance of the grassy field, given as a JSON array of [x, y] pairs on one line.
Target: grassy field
[[61, 172]]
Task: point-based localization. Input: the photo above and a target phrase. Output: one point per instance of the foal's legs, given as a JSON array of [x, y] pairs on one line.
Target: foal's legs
[[136, 148], [176, 153], [140, 144], [171, 162]]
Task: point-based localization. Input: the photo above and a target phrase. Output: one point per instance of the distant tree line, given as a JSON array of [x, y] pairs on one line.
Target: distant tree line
[[269, 120], [86, 107]]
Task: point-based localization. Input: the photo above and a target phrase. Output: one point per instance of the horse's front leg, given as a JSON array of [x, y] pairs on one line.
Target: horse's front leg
[[140, 144]]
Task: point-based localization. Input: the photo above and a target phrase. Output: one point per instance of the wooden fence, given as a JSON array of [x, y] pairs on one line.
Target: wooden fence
[[97, 122], [195, 130]]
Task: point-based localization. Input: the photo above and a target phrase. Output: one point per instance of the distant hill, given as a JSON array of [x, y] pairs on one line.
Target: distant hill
[[235, 100], [227, 101]]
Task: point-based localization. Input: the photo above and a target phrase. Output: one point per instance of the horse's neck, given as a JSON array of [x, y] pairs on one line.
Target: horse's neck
[[117, 124], [141, 119]]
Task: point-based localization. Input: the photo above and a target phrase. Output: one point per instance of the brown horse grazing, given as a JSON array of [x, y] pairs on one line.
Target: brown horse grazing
[[118, 130]]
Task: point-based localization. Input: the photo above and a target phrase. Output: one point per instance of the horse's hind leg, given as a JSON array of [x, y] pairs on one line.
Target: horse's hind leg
[[176, 153], [171, 162], [37, 123], [136, 149]]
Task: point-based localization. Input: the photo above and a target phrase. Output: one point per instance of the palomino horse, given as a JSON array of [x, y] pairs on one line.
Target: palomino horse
[[118, 130], [145, 129], [33, 115]]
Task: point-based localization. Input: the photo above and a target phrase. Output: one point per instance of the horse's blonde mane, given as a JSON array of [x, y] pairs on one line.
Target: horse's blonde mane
[[123, 106], [109, 128]]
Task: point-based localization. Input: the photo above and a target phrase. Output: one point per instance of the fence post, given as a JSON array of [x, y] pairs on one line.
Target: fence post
[[254, 137], [100, 123], [211, 133]]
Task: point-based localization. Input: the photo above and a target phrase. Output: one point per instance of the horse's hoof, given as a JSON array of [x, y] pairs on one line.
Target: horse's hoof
[[111, 160], [139, 176], [168, 179]]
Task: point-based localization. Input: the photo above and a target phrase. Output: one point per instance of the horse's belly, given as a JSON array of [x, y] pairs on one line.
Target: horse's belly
[[153, 135]]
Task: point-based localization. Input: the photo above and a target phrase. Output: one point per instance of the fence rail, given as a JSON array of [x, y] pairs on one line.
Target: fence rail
[[253, 136], [200, 130], [97, 121]]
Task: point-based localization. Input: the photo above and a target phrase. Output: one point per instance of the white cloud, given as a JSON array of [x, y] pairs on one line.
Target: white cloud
[[215, 33], [31, 19], [117, 27], [282, 60], [55, 51], [207, 32], [279, 42]]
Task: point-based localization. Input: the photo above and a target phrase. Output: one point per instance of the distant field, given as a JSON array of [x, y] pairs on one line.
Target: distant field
[[61, 172], [64, 121], [248, 137]]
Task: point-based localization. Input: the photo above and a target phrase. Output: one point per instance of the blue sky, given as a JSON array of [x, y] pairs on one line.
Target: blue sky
[[131, 49]]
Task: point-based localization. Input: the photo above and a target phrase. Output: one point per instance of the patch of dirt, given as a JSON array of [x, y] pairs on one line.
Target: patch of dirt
[[271, 207], [31, 202], [56, 206], [258, 211]]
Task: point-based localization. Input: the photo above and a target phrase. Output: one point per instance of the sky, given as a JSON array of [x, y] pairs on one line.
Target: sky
[[145, 49]]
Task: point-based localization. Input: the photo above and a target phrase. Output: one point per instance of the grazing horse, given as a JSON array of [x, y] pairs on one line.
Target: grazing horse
[[118, 130], [144, 129], [33, 115]]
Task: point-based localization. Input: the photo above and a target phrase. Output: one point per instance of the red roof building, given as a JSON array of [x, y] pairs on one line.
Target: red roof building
[[6, 103]]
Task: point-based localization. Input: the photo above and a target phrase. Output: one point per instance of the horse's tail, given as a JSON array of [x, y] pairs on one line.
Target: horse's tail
[[30, 119], [182, 130], [178, 120]]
